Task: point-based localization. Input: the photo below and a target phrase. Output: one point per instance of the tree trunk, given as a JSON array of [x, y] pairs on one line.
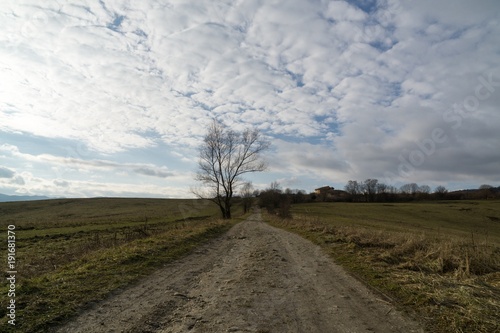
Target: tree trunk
[[227, 208], [223, 210]]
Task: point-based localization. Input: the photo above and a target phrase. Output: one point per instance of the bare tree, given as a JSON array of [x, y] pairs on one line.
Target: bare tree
[[275, 187], [440, 192], [382, 191], [411, 188], [370, 188], [485, 191], [225, 156], [441, 189], [352, 187], [276, 201], [246, 195], [425, 189], [381, 188]]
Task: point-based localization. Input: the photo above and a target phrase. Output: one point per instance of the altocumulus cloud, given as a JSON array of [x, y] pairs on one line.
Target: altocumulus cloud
[[6, 172], [9, 177], [153, 172], [359, 84]]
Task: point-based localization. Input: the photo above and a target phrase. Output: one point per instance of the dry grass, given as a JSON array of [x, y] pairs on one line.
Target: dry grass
[[451, 283], [421, 252], [72, 252]]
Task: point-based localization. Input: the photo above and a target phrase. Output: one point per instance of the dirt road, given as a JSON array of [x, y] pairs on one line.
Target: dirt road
[[256, 278]]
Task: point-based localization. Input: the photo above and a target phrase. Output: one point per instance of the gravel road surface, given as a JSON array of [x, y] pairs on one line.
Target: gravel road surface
[[255, 278]]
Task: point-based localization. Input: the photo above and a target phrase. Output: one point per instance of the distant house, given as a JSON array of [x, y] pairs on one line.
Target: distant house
[[325, 190], [328, 193]]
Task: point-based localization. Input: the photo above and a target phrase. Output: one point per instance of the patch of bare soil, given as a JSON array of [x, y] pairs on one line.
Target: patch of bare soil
[[256, 278]]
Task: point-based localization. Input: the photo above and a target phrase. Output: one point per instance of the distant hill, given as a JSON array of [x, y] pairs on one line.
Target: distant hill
[[8, 198], [491, 193]]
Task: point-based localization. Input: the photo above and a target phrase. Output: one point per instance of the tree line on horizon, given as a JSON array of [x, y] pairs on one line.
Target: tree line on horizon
[[371, 190], [227, 155], [278, 201]]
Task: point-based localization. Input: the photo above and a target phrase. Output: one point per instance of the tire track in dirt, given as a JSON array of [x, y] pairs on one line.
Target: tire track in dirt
[[256, 278]]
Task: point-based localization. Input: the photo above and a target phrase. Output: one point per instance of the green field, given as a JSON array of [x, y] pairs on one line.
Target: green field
[[71, 252], [465, 219], [440, 261]]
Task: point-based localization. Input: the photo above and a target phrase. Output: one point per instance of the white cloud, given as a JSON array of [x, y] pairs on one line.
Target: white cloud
[[83, 165], [67, 176], [373, 80], [342, 10], [6, 172], [310, 160]]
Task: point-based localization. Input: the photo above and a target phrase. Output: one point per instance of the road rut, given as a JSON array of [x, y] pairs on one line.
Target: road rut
[[256, 278]]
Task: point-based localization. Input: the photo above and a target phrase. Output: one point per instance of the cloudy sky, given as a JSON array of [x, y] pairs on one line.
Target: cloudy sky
[[112, 97]]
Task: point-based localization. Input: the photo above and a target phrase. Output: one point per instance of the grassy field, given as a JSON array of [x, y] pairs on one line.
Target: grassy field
[[439, 260], [72, 252]]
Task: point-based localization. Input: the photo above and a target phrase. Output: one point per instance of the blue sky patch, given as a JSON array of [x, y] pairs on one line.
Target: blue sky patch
[[342, 89]]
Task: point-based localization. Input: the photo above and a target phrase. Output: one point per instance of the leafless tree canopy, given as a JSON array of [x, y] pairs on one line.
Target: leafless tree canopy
[[225, 157], [246, 195]]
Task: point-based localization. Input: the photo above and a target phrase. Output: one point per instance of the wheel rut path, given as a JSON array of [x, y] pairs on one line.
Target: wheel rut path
[[255, 278]]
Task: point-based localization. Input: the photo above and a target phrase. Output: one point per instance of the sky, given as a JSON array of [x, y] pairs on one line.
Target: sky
[[113, 97]]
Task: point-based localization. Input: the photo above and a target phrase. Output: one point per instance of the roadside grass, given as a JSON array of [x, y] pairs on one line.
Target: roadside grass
[[439, 261], [73, 252]]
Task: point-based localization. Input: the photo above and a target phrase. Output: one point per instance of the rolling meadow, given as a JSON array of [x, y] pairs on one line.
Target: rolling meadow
[[439, 260], [71, 253]]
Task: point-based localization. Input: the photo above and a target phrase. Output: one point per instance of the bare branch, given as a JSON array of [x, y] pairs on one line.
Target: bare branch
[[224, 157]]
